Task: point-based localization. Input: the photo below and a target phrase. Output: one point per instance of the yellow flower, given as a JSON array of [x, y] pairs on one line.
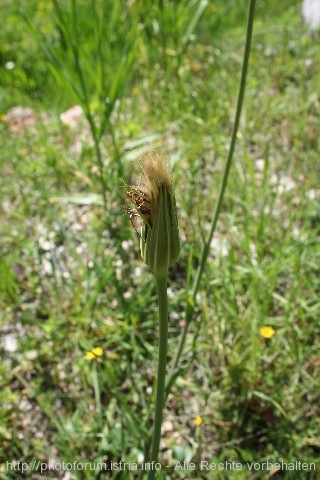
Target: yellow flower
[[156, 205], [136, 90], [94, 353], [267, 332], [198, 421]]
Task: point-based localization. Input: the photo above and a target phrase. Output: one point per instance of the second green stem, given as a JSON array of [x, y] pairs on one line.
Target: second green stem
[[161, 283]]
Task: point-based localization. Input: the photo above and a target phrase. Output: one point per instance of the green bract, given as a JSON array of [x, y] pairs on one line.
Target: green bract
[[156, 205], [160, 244]]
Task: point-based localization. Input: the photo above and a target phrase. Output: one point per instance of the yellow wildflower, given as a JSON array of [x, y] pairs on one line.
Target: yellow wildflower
[[267, 332], [94, 353], [198, 421]]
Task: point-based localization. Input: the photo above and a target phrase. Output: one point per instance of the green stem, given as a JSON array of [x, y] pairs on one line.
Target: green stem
[[97, 394], [206, 246], [161, 282], [100, 165], [86, 102]]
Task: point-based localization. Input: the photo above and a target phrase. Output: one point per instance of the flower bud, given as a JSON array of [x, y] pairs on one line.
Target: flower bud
[[156, 205]]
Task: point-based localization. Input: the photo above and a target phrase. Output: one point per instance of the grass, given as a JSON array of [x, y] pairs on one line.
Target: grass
[[72, 280]]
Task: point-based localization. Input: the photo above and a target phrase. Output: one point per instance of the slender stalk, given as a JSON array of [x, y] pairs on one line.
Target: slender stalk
[[161, 282], [101, 170], [86, 101], [206, 246], [96, 387]]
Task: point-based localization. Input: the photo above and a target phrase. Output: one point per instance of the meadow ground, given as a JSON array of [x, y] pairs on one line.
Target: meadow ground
[[158, 75]]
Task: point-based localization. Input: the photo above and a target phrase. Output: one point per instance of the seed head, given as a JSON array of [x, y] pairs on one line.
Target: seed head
[[155, 203]]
